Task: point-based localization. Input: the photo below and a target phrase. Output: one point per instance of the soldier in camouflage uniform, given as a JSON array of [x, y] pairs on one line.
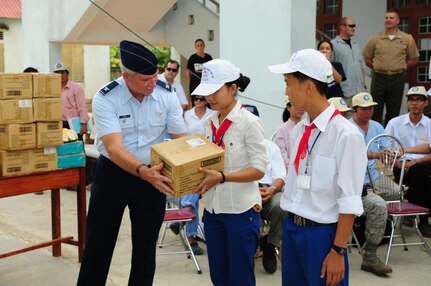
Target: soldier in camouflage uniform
[[375, 208]]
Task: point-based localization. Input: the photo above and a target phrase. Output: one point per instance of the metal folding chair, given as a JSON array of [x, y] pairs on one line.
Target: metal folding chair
[[387, 150], [173, 214]]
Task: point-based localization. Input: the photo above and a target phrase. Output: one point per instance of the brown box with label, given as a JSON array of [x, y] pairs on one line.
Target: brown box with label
[[16, 86], [44, 159], [182, 158], [17, 136], [47, 109], [46, 85], [14, 163], [16, 111], [49, 134]]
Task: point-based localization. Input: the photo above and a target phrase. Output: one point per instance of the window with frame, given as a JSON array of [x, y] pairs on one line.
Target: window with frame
[[424, 26], [404, 25], [331, 30], [423, 2], [424, 49], [331, 7], [401, 3], [422, 75]]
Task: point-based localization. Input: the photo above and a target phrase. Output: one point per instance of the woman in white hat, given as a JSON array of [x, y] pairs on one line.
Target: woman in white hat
[[232, 198]]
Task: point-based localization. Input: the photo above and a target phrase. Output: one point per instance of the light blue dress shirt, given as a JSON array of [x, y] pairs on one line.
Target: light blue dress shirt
[[141, 124]]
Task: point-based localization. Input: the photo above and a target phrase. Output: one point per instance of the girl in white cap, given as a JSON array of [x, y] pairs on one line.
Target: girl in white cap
[[232, 198]]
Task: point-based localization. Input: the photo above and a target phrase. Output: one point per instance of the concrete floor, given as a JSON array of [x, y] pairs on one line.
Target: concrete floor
[[25, 220]]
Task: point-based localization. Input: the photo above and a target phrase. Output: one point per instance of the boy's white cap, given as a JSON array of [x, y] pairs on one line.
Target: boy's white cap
[[339, 103], [310, 62], [215, 74], [363, 99]]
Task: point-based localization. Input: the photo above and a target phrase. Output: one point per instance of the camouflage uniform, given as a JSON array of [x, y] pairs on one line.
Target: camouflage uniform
[[376, 212]]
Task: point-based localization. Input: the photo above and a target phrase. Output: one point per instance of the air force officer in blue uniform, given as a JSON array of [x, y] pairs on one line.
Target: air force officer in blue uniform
[[130, 114]]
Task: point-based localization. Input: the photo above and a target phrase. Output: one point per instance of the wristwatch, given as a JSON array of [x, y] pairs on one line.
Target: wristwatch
[[339, 250]]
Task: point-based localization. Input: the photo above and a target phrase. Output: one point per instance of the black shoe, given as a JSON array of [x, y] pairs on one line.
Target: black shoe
[[175, 227], [425, 229], [197, 250], [408, 221], [269, 259]]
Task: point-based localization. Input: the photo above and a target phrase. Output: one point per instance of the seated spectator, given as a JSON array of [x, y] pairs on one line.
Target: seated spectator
[[413, 129], [340, 104], [282, 136], [271, 186], [375, 208]]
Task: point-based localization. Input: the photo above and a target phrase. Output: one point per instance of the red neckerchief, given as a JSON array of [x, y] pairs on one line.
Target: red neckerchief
[[218, 134], [303, 144]]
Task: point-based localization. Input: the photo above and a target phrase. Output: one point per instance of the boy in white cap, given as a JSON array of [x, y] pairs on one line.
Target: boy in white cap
[[324, 181], [375, 208], [413, 129]]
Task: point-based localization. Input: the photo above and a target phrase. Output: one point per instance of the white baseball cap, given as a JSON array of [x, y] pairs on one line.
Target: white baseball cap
[[417, 90], [363, 99], [60, 67], [215, 74], [310, 62], [339, 103]]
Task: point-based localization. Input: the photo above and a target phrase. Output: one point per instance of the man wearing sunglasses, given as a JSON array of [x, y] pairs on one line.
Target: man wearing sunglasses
[[348, 52], [171, 72], [389, 54]]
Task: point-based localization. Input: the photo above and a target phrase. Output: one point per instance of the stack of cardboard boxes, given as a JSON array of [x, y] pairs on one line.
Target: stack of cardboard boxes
[[30, 122]]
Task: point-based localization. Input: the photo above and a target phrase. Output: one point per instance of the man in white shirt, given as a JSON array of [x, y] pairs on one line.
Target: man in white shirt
[[413, 129], [171, 71], [324, 181]]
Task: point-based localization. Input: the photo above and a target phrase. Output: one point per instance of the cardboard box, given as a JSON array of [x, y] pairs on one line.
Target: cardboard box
[[13, 163], [49, 134], [47, 109], [16, 86], [16, 111], [70, 148], [46, 85], [73, 160], [182, 158], [44, 159], [17, 136]]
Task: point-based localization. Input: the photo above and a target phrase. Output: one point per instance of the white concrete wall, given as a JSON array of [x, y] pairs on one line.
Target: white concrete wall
[[182, 36], [45, 25], [96, 69], [255, 34], [12, 41]]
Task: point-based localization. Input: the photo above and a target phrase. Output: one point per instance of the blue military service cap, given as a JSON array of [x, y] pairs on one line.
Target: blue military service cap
[[138, 58]]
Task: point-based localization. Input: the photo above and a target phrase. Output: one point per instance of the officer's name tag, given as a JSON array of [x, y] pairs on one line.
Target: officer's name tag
[[304, 182]]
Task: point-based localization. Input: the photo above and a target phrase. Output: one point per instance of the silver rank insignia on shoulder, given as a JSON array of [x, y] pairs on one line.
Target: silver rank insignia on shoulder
[[110, 86]]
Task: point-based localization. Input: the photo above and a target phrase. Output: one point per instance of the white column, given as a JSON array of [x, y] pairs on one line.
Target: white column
[[255, 34]]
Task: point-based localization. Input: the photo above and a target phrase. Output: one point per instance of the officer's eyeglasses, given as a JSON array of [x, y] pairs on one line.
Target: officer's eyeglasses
[[171, 69], [200, 99], [417, 99], [350, 25]]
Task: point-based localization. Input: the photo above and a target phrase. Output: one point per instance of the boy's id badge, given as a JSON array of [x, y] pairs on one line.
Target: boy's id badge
[[304, 182]]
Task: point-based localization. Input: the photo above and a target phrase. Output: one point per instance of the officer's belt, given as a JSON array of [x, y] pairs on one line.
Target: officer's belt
[[302, 221], [389, 73]]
